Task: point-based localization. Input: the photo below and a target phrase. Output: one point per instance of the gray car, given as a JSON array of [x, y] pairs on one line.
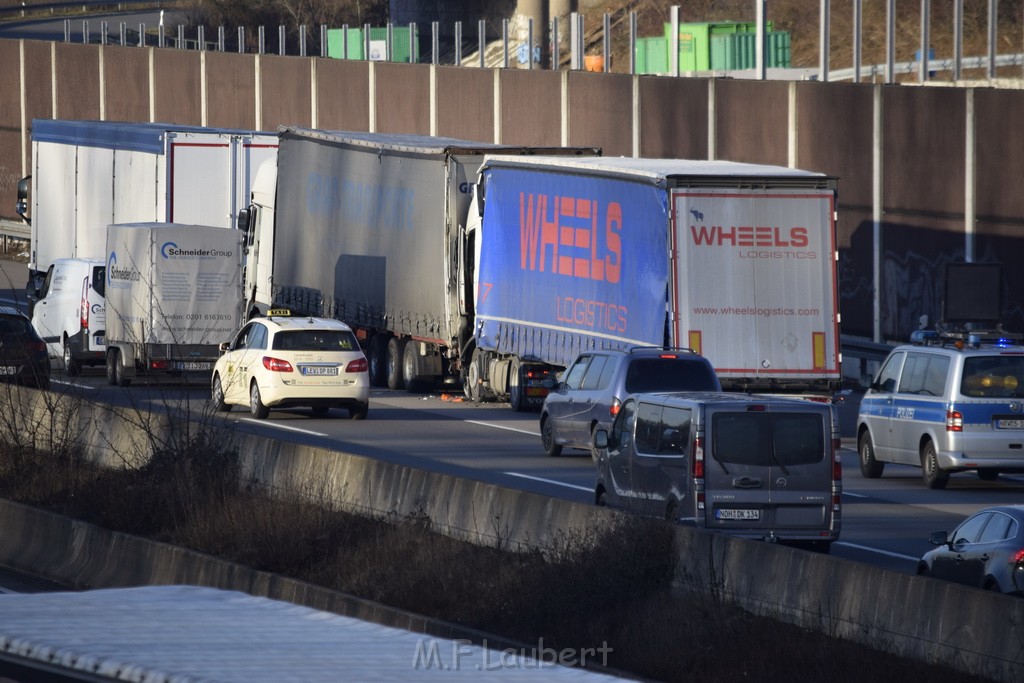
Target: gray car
[[592, 389], [985, 551]]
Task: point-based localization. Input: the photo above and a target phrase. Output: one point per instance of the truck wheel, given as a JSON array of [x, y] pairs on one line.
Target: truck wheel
[[71, 366], [217, 397], [111, 367], [378, 353], [473, 378], [396, 348], [547, 438], [413, 383], [256, 407], [934, 476], [516, 394], [114, 359], [869, 466]]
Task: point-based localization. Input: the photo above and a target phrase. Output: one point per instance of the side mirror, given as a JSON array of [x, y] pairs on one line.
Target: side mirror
[[939, 538], [867, 381], [21, 208], [224, 346], [243, 221], [601, 440], [549, 383]]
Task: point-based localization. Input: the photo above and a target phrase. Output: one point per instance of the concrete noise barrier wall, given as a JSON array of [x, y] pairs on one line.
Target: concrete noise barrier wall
[[969, 630]]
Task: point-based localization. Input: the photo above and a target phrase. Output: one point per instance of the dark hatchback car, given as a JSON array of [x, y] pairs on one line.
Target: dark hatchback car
[[985, 551], [23, 357], [591, 390]]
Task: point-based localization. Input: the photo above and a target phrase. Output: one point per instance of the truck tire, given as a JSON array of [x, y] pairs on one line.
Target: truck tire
[[71, 366], [396, 349], [115, 369], [516, 393], [474, 391], [111, 371], [378, 358], [413, 383]]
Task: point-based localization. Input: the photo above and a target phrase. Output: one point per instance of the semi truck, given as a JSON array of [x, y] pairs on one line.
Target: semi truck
[[87, 175], [369, 228], [173, 294], [735, 261]]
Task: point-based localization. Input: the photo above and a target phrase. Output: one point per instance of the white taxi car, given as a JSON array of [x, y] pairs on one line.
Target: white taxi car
[[282, 361]]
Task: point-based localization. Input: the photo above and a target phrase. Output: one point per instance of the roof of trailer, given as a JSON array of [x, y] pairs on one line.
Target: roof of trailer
[[120, 135]]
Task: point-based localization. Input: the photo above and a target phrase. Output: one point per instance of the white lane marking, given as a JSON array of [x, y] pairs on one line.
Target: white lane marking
[[73, 384], [497, 426], [276, 425], [549, 481], [876, 550], [855, 495]]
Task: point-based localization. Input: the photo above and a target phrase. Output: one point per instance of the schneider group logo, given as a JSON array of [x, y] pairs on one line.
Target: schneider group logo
[[170, 250], [123, 274]]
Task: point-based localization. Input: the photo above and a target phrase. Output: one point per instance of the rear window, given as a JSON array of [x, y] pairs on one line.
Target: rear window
[[99, 279], [646, 375], [762, 439], [315, 340], [993, 377]]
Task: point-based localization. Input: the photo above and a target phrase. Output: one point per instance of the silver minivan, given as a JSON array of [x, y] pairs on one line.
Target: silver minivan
[[752, 466]]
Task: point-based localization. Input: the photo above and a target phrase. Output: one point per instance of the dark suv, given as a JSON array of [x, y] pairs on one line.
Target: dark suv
[[591, 390]]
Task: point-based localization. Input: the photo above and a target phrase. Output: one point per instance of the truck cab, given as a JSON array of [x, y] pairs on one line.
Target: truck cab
[[257, 223]]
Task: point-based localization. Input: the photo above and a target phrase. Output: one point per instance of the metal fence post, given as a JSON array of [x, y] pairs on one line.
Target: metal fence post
[[161, 36], [220, 39], [529, 43], [181, 37], [389, 42], [323, 39], [556, 55], [481, 26], [302, 40], [344, 41], [414, 50], [366, 42], [922, 66], [607, 52], [124, 34], [823, 41], [433, 42], [858, 30], [85, 32], [67, 30], [201, 38], [241, 40], [262, 40], [632, 43], [890, 41], [280, 41], [673, 43], [458, 43], [103, 33], [504, 43], [958, 39], [142, 35], [992, 13]]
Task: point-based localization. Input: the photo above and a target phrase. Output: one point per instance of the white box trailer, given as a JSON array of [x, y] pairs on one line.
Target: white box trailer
[[87, 175], [173, 295]]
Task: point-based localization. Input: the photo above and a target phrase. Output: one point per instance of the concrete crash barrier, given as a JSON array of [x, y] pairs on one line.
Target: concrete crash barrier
[[967, 629]]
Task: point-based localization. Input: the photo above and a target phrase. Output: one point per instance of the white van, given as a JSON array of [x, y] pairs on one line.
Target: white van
[[759, 467], [70, 312]]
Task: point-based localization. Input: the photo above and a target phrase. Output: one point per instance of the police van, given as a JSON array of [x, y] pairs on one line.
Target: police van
[[948, 402]]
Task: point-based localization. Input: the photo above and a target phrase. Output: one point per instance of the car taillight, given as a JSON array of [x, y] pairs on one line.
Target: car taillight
[[837, 460], [1017, 557], [697, 466], [358, 365], [954, 421], [159, 365], [276, 364], [84, 313], [37, 346], [614, 407]]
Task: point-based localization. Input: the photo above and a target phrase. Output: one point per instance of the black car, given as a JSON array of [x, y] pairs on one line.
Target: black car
[[23, 357], [591, 390], [985, 551]]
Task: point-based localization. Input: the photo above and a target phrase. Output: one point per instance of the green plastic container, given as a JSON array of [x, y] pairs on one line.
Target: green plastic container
[[739, 50], [378, 44], [652, 55], [695, 40]]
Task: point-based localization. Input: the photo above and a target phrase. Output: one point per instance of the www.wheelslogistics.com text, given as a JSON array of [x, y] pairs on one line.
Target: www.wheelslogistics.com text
[[463, 655]]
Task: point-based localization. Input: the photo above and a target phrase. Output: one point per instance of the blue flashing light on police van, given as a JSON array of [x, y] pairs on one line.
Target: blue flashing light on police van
[[923, 336]]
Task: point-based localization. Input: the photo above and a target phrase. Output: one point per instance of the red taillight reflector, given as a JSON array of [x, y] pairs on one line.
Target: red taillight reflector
[[836, 502], [837, 459], [84, 313], [667, 355], [159, 365], [1017, 557], [614, 407], [700, 501], [697, 468], [37, 346], [757, 408], [276, 364], [954, 421], [358, 365]]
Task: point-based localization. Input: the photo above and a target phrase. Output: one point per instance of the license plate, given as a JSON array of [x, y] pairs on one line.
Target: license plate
[[98, 340], [1010, 424], [320, 370], [190, 366], [737, 514], [8, 369]]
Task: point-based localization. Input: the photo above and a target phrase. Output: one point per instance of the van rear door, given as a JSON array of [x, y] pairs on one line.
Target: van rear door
[[768, 468]]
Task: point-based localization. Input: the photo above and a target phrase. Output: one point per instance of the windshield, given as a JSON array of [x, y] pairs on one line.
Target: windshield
[[993, 376]]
